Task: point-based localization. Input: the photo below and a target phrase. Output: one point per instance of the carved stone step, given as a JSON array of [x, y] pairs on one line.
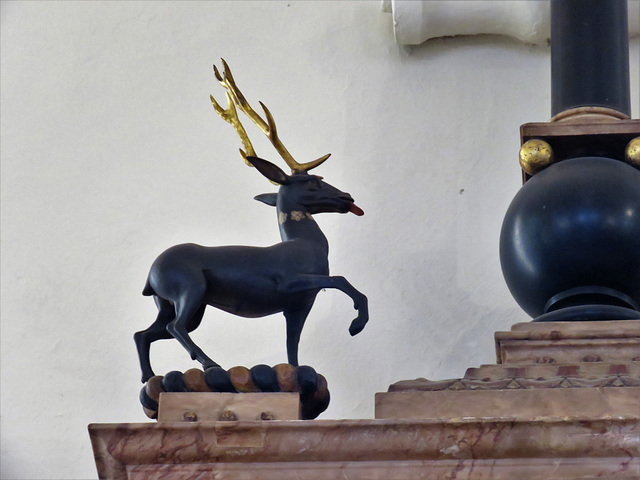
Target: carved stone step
[[520, 404], [544, 371], [424, 385], [569, 342], [541, 371]]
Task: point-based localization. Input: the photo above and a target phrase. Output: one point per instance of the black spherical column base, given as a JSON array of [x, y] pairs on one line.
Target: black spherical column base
[[570, 242]]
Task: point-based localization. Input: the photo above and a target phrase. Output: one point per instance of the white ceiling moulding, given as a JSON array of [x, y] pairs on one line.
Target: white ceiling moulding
[[416, 21]]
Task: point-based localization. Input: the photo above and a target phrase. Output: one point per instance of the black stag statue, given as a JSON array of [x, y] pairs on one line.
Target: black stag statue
[[252, 281]]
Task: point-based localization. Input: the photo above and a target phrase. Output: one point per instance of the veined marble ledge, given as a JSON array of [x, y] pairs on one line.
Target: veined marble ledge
[[563, 403], [464, 448]]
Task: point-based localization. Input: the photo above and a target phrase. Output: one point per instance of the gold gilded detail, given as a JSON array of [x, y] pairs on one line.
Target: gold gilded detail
[[228, 416], [632, 152], [297, 215], [190, 416], [267, 416], [535, 155], [235, 98]]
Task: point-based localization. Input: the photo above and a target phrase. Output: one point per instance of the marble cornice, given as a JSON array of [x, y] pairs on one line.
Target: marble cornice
[[117, 446]]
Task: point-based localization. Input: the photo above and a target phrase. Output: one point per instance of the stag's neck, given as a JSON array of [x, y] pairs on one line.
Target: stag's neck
[[298, 224]]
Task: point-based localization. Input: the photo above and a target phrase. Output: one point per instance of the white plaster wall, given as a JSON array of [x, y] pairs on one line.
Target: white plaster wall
[[111, 152]]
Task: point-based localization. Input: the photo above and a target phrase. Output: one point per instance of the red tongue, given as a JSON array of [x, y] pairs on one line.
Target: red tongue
[[356, 210]]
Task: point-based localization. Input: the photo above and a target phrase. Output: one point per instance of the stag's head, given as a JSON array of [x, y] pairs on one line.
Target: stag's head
[[310, 192], [303, 191]]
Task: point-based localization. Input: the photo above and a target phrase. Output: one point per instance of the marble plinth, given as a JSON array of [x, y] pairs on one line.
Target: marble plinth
[[559, 372], [521, 404], [561, 403], [369, 449], [543, 370], [569, 342]]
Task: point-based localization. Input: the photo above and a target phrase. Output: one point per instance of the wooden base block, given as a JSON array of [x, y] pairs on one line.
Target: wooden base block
[[213, 406]]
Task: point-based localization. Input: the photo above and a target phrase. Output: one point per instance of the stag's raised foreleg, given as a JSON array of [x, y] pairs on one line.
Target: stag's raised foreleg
[[301, 283]]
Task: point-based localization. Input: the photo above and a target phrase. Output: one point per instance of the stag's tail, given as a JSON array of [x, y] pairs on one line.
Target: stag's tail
[[148, 290]]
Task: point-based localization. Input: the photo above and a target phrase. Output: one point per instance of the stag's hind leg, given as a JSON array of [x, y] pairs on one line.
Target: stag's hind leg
[[157, 331], [189, 311]]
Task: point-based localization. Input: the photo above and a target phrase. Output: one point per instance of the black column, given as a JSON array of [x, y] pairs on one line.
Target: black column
[[589, 55]]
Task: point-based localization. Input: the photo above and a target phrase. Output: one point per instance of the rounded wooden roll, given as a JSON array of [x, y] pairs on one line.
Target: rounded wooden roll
[[265, 378], [154, 388], [241, 379], [194, 380], [146, 401], [152, 414], [174, 382], [307, 379], [287, 378], [218, 380], [322, 393], [312, 405]]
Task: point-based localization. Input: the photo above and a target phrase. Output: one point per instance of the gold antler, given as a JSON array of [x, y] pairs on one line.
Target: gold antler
[[230, 114]]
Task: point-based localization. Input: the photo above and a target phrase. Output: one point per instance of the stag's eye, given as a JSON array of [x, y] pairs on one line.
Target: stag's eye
[[314, 185]]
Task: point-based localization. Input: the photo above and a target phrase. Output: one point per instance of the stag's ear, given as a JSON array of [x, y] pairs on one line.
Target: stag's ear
[[268, 198], [269, 170]]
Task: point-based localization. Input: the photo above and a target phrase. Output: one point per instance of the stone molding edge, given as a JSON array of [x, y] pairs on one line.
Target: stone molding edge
[[117, 446], [424, 385]]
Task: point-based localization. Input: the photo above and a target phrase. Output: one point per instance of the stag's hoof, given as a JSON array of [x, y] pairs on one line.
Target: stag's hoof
[[209, 364], [357, 326]]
